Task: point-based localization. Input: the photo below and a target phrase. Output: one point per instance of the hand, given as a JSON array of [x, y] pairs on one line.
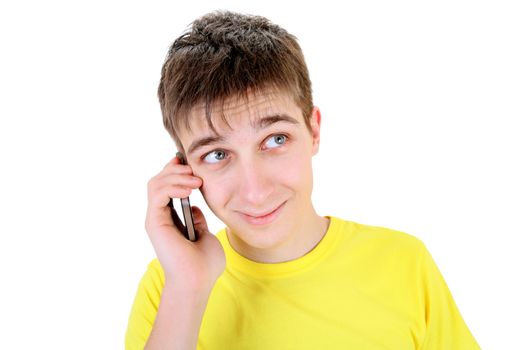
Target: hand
[[189, 265]]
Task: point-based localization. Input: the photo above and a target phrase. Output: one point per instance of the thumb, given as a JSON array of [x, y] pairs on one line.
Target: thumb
[[199, 221]]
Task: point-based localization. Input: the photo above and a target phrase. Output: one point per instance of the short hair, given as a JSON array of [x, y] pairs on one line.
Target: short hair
[[225, 54]]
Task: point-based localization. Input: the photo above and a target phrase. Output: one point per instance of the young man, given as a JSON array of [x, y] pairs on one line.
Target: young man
[[236, 98]]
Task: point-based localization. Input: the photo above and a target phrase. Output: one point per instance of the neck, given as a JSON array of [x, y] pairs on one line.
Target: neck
[[302, 238]]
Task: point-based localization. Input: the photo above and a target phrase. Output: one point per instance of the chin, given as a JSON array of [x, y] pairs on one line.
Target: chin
[[262, 236]]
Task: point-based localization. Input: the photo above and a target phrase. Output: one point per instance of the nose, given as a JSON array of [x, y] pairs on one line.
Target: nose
[[255, 183]]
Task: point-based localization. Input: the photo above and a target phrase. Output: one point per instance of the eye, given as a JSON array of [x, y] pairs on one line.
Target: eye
[[215, 156], [275, 141]]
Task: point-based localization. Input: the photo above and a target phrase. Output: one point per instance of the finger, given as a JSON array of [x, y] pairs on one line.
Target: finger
[[178, 180], [160, 197], [173, 161], [199, 221], [176, 169]]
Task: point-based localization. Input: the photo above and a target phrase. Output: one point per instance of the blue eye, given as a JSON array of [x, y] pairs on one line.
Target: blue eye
[[276, 141], [215, 156]]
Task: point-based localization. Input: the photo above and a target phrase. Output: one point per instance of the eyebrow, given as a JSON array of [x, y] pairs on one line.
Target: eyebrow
[[261, 123], [205, 141], [275, 118]]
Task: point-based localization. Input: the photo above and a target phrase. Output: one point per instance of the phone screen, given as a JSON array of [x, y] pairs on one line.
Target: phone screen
[[187, 228]]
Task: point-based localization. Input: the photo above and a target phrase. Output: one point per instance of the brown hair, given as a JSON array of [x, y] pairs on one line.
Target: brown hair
[[225, 54]]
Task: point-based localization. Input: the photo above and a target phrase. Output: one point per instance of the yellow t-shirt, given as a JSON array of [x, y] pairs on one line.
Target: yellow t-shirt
[[361, 287]]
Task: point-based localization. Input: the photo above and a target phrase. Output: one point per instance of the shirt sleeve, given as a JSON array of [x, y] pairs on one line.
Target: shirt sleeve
[[145, 307], [445, 327]]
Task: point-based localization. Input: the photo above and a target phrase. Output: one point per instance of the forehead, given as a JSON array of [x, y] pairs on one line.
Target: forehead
[[241, 111]]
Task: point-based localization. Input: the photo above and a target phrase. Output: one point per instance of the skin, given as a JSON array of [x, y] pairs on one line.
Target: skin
[[251, 168], [256, 176]]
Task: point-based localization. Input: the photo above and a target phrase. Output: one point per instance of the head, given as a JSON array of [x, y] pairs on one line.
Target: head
[[236, 98], [225, 54]]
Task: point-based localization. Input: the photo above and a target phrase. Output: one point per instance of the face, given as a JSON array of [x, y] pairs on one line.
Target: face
[[257, 169]]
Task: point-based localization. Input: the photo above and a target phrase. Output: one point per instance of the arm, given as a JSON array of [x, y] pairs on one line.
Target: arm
[[179, 318], [189, 269]]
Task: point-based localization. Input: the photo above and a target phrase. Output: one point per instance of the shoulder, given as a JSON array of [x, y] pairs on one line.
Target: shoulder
[[154, 265], [153, 278], [378, 240]]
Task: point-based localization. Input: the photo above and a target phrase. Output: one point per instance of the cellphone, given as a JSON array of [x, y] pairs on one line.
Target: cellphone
[[188, 229]]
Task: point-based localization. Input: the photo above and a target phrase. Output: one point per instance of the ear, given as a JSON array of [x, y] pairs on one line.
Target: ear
[[315, 125]]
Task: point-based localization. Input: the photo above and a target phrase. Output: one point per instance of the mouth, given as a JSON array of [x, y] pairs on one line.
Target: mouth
[[263, 218]]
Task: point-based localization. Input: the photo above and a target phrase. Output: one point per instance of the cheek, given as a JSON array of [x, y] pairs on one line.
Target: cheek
[[296, 170], [215, 191]]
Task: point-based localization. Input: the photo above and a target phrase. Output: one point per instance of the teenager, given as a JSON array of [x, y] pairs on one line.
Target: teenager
[[236, 98]]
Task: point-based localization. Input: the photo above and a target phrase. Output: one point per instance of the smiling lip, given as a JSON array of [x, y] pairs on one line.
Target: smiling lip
[[262, 219]]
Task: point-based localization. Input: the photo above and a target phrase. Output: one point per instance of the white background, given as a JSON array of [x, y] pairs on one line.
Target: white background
[[423, 108]]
